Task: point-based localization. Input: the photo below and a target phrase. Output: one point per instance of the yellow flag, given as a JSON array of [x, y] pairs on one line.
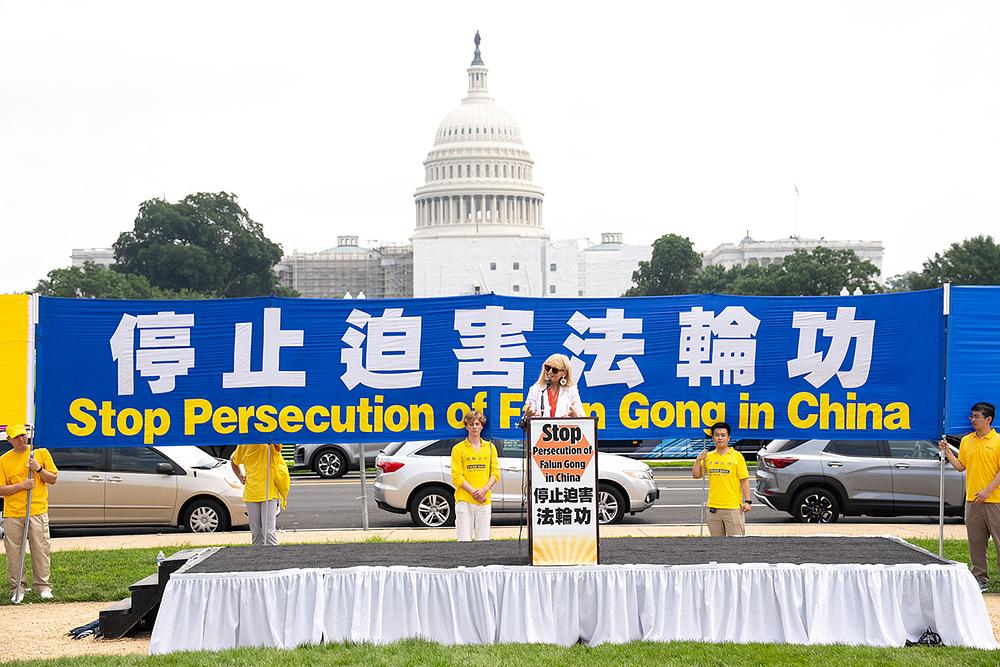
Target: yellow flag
[[15, 353]]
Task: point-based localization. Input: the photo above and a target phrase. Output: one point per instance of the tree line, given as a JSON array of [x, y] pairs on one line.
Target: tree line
[[207, 246], [675, 267]]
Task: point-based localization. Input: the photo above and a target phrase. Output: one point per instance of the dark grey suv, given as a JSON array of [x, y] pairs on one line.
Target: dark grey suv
[[817, 481]]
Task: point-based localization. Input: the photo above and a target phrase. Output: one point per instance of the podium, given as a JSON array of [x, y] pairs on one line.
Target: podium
[[563, 517]]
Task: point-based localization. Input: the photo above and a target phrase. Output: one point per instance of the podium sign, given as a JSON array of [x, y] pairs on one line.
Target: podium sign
[[562, 491]]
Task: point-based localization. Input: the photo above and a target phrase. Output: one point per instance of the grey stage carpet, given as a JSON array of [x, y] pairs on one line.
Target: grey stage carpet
[[613, 551]]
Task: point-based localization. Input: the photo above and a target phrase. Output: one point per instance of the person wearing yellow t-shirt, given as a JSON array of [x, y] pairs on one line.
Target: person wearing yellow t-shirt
[[979, 457], [261, 497], [18, 473], [728, 485], [475, 468]]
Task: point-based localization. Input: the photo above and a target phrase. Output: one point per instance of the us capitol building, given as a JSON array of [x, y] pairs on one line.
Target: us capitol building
[[478, 228]]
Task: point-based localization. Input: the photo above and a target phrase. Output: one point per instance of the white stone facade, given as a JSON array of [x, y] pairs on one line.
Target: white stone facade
[[606, 269], [100, 256], [749, 252]]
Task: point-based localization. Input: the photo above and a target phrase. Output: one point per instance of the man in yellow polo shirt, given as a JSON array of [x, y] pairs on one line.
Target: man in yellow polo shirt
[[262, 497], [18, 473], [475, 468], [728, 485], [979, 457]]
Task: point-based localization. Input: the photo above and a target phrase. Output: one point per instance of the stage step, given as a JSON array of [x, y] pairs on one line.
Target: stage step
[[139, 611]]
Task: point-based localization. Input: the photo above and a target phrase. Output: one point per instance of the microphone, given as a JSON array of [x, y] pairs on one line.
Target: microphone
[[548, 382]]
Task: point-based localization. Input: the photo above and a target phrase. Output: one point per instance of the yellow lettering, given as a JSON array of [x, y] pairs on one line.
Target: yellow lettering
[[641, 417], [290, 419], [793, 410], [396, 418], [224, 420], [79, 410], [157, 423], [510, 408], [311, 414], [266, 418], [196, 411], [897, 416]]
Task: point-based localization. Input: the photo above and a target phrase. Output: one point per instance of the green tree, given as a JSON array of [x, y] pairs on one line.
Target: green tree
[[96, 282], [902, 282], [672, 268], [823, 271], [974, 261], [206, 243]]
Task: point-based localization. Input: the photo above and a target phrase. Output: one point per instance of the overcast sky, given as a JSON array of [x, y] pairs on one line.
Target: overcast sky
[[696, 118]]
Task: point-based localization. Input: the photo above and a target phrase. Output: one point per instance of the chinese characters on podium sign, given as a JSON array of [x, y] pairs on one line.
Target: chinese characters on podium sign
[[562, 491]]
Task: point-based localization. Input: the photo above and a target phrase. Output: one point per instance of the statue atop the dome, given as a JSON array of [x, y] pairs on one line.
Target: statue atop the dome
[[478, 59]]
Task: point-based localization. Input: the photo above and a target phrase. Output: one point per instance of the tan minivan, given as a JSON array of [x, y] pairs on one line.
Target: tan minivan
[[145, 486]]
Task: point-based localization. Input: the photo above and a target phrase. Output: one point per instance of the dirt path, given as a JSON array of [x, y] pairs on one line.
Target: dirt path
[[41, 630]]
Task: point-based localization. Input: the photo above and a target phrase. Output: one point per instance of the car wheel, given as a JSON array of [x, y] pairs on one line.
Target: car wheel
[[330, 464], [433, 508], [610, 504], [205, 516], [816, 505]]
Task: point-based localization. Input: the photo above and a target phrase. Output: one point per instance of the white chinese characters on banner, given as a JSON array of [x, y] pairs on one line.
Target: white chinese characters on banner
[[818, 368], [390, 358], [163, 353], [491, 337], [722, 348], [612, 343], [270, 374]]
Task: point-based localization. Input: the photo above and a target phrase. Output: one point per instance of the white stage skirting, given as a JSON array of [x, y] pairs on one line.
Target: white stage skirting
[[876, 605]]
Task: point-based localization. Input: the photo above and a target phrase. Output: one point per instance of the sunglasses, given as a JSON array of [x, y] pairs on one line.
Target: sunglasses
[[552, 369]]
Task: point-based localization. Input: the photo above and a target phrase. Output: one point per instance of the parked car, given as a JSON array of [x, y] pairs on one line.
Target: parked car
[[817, 481], [332, 461], [415, 477], [145, 486]]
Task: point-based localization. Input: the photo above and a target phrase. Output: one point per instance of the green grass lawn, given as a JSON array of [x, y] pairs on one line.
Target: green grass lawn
[[414, 652]]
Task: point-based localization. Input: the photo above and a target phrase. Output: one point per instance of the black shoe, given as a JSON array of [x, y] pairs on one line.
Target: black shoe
[[983, 586]]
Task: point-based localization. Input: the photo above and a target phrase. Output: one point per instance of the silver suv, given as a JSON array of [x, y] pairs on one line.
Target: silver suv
[[415, 477], [819, 480], [333, 461]]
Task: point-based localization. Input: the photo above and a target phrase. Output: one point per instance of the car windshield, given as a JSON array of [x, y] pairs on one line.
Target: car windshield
[[191, 457], [392, 448]]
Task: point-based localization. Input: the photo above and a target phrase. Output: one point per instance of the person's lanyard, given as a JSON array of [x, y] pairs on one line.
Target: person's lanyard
[[553, 393]]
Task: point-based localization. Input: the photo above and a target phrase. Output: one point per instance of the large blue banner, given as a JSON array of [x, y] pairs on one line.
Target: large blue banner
[[973, 370], [315, 371]]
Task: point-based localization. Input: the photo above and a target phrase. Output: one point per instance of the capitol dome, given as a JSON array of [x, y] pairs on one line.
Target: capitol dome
[[478, 174]]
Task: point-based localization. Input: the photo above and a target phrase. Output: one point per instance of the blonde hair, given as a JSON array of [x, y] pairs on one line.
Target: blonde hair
[[557, 361], [472, 416]]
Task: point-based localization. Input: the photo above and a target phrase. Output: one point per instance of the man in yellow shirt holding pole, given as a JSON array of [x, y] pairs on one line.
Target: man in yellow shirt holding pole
[[979, 457], [25, 476], [728, 485]]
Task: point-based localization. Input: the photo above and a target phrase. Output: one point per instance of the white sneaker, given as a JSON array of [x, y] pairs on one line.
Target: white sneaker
[[16, 598], [46, 594]]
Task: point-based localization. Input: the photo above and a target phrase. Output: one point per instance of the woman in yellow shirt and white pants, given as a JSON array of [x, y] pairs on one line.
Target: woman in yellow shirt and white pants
[[475, 468]]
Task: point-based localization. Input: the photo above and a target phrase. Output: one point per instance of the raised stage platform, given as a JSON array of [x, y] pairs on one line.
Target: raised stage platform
[[806, 590]]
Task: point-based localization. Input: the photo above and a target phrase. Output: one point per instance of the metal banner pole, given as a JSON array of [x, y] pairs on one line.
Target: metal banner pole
[[19, 591], [704, 489], [941, 511], [364, 486], [945, 311]]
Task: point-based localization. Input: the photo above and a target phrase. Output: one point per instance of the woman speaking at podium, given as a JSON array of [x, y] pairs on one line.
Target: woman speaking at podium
[[555, 393]]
